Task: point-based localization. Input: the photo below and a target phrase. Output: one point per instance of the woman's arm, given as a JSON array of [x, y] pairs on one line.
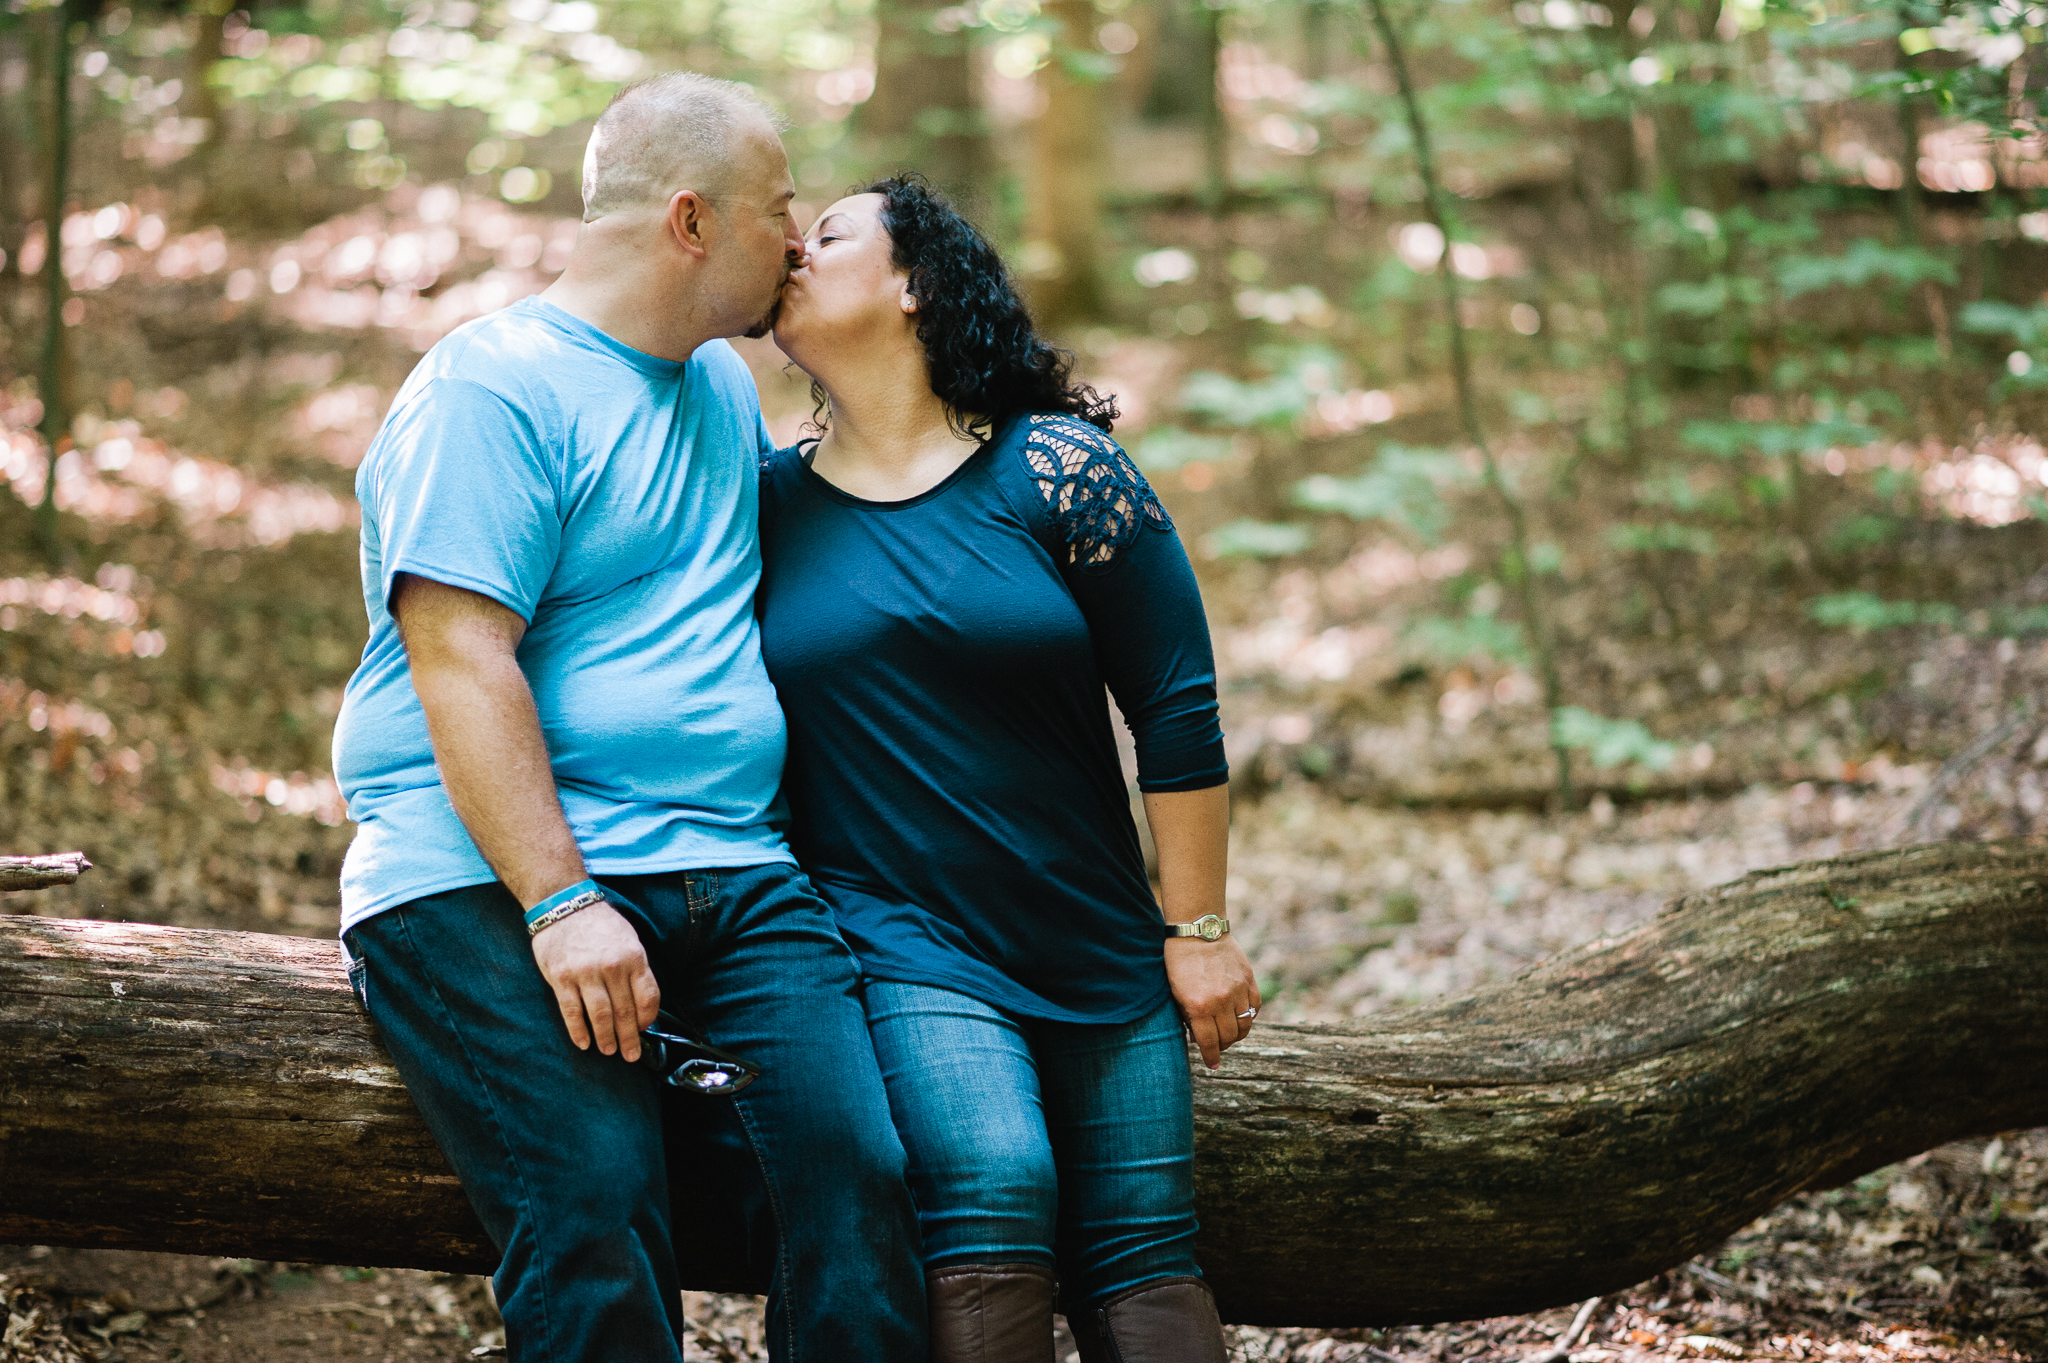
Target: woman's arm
[[1132, 580], [1212, 981]]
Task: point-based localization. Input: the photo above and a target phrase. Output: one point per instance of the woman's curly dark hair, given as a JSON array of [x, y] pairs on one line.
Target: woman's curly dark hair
[[987, 362]]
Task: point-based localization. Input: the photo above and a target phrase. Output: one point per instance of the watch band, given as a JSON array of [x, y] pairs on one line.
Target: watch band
[[1209, 927]]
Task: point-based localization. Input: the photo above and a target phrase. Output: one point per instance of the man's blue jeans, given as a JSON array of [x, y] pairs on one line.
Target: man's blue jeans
[[562, 1151], [1053, 1143]]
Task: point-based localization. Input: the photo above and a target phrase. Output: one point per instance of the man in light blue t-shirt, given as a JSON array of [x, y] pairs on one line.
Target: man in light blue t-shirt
[[562, 754]]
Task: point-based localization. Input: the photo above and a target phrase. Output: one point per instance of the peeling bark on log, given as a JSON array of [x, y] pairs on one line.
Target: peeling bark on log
[[1606, 1115], [40, 873]]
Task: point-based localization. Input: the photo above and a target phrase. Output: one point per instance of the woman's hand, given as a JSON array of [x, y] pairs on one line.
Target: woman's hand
[[1214, 985]]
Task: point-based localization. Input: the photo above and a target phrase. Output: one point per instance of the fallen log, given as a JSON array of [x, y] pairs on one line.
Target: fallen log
[[1604, 1116], [40, 873]]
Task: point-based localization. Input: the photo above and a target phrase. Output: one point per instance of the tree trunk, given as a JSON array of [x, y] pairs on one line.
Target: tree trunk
[[50, 387], [1069, 169], [1605, 1116], [923, 112]]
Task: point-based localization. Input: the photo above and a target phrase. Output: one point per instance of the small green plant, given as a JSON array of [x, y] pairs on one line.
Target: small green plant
[[1403, 486], [1257, 539], [1479, 636], [1170, 448], [1688, 539], [1400, 906], [1866, 613], [1609, 742]]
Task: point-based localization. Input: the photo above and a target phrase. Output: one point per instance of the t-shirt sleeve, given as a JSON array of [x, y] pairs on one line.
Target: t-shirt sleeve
[[466, 494], [1132, 580]]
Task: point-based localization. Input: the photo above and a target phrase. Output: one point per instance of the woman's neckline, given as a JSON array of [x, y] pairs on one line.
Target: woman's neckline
[[807, 450]]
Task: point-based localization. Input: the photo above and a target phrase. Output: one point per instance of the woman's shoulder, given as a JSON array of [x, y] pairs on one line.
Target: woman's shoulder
[[787, 462], [780, 471], [1091, 490]]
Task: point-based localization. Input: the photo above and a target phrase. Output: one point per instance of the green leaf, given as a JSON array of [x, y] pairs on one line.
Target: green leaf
[[1257, 539], [1609, 742], [1402, 485], [1773, 439], [1170, 447], [1865, 260], [1853, 534], [1694, 300], [2028, 326], [1476, 636], [1299, 373], [1864, 612], [1686, 539], [1233, 402]]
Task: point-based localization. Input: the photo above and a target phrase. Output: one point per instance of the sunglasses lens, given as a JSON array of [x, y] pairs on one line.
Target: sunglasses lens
[[671, 1060], [708, 1076]]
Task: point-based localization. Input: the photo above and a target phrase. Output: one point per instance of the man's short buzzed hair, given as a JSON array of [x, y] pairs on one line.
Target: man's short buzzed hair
[[669, 132]]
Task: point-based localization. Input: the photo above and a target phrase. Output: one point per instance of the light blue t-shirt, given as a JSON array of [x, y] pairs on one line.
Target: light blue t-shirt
[[610, 498]]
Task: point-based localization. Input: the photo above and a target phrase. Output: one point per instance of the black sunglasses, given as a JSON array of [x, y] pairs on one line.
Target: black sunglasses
[[680, 1059]]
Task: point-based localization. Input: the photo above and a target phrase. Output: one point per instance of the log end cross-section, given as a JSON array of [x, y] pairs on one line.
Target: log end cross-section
[[1605, 1115]]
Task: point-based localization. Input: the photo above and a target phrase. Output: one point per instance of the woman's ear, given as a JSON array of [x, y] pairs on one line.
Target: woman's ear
[[909, 299]]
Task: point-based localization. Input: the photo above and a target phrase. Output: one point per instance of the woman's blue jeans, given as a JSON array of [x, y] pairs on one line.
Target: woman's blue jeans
[[1062, 1144], [594, 1180]]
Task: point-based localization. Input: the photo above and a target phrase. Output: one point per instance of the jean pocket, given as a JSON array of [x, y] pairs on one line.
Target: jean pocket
[[700, 891], [359, 980]]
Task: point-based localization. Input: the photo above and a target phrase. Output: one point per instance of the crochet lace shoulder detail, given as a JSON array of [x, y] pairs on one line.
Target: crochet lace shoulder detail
[[1098, 499]]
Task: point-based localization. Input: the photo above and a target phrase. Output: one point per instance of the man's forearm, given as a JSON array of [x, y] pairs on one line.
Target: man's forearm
[[463, 650], [494, 765]]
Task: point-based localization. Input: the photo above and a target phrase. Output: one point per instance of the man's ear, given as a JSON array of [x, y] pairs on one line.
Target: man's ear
[[690, 221]]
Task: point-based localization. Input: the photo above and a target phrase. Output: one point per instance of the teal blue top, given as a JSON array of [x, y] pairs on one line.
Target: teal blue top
[[953, 779], [608, 498]]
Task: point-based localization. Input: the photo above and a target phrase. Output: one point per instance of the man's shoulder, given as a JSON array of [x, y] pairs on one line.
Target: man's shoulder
[[726, 373], [513, 353]]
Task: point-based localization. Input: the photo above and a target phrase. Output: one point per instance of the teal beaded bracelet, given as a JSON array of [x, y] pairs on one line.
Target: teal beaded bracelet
[[561, 904]]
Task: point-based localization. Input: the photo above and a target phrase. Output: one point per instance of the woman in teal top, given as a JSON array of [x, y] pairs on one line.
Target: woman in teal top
[[952, 576]]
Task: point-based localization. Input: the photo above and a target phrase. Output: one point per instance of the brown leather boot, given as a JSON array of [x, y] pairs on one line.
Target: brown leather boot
[[991, 1313], [1168, 1320]]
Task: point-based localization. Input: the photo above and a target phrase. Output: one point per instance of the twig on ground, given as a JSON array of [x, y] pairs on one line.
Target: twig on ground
[[1960, 765], [1570, 1338], [1726, 1284]]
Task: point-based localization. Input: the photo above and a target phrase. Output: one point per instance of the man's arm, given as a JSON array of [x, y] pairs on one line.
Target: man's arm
[[462, 648]]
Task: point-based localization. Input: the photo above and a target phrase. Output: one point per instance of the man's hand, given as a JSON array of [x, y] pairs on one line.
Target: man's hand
[[1213, 983], [594, 962]]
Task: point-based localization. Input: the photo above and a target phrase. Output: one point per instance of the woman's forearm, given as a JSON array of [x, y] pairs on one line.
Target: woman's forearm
[[1211, 980], [1191, 829]]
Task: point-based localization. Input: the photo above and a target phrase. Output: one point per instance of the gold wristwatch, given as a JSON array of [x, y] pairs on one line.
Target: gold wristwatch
[[1208, 927]]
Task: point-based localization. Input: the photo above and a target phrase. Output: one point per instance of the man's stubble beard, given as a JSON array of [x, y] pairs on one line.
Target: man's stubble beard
[[767, 322]]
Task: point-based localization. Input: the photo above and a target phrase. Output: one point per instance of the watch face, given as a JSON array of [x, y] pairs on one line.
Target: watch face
[[1211, 927]]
